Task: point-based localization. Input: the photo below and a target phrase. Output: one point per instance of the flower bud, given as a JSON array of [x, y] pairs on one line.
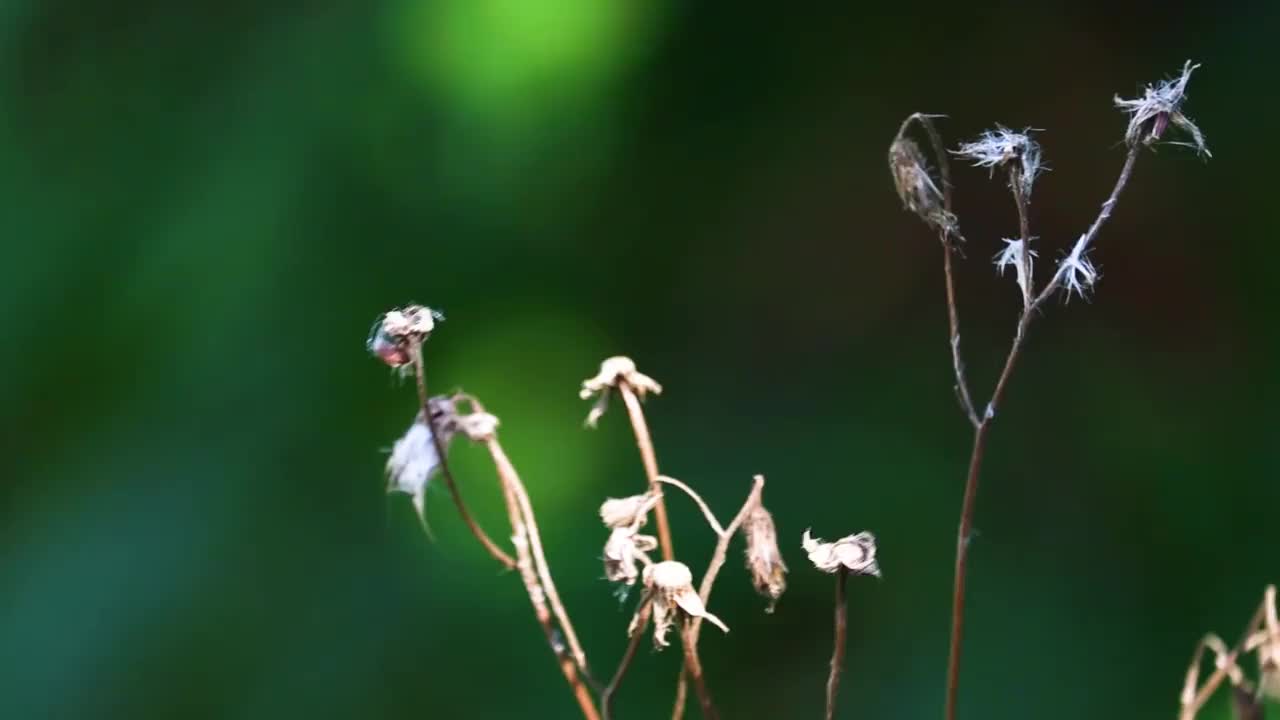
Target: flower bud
[[764, 559]]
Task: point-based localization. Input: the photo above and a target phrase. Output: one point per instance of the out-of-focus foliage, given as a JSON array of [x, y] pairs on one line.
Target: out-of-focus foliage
[[206, 205]]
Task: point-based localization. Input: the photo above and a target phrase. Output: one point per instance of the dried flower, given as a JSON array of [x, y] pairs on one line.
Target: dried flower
[[764, 560], [613, 371], [477, 426], [999, 147], [414, 459], [671, 584], [1160, 105], [916, 187], [392, 334], [1078, 274], [624, 549], [854, 553], [628, 512], [1012, 254]]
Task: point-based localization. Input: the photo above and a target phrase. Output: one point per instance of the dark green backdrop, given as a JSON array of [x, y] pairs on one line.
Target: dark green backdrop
[[206, 205]]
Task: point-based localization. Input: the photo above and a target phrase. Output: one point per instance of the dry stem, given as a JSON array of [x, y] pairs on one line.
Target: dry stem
[[837, 653], [697, 499], [709, 578], [1191, 706], [693, 669], [420, 373], [521, 540], [642, 614], [645, 443], [507, 472], [981, 429], [946, 237]]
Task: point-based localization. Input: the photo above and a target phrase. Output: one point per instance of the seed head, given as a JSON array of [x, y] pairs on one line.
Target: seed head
[[916, 187], [414, 459], [764, 560], [1159, 106], [1012, 255], [671, 584], [1003, 147], [854, 553], [391, 335], [613, 371]]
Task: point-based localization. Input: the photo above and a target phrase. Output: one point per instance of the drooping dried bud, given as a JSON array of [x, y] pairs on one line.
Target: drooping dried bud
[[393, 332], [1003, 147], [628, 512], [624, 551], [853, 553], [477, 426], [764, 559], [615, 370], [915, 186], [671, 583], [414, 459], [1160, 106]]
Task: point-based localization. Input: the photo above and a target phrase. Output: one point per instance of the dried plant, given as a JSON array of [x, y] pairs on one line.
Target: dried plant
[[850, 555], [1261, 637], [1020, 158], [668, 598]]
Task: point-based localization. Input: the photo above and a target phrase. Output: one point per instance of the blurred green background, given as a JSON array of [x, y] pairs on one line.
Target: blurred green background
[[206, 206]]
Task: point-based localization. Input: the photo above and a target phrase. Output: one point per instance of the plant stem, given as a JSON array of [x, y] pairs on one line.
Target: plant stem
[[647, 456], [693, 668], [420, 373], [606, 697], [521, 540], [708, 581], [508, 473], [837, 653], [969, 502]]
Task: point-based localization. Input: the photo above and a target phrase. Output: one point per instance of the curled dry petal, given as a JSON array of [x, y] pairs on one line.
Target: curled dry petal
[[854, 553], [671, 585], [764, 559], [615, 370], [628, 512]]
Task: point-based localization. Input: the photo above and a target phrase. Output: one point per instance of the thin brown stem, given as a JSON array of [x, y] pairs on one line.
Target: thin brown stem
[[708, 581], [1021, 200], [507, 472], [520, 538], [947, 237], [637, 632], [644, 442], [420, 373], [697, 499], [969, 503], [837, 653], [693, 668]]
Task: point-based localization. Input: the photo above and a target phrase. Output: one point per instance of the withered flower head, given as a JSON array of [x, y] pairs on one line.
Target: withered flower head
[[477, 426], [671, 584], [915, 186], [628, 512], [1160, 105], [853, 553], [414, 459], [764, 560], [623, 552], [392, 333], [999, 147], [615, 370]]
